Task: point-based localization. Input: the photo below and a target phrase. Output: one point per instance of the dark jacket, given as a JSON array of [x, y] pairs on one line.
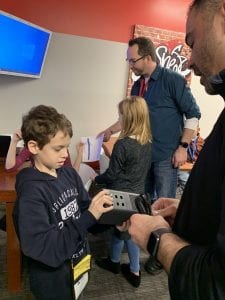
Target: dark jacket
[[128, 166], [198, 270]]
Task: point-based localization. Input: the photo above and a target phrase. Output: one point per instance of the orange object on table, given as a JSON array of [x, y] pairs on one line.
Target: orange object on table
[[187, 167]]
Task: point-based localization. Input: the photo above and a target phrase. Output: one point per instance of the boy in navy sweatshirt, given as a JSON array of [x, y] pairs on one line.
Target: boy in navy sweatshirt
[[53, 212]]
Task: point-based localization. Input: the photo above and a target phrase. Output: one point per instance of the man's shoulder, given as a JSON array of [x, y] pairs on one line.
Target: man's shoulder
[[171, 73]]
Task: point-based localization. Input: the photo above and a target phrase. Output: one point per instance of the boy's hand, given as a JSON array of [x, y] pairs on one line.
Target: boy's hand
[[100, 204]]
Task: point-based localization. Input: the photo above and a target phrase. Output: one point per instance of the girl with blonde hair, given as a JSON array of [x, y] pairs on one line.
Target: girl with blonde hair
[[129, 163]]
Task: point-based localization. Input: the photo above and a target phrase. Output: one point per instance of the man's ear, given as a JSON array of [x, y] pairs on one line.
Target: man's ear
[[223, 8], [32, 147], [222, 13], [149, 57]]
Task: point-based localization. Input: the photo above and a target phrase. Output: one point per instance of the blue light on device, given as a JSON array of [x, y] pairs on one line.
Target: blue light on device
[[23, 46]]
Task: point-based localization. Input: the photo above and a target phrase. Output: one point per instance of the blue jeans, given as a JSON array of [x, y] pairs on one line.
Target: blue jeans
[[161, 180], [133, 250]]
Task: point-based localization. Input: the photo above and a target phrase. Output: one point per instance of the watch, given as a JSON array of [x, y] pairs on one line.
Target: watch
[[183, 144], [154, 240]]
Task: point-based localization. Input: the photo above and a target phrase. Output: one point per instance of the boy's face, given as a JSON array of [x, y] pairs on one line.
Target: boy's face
[[53, 155]]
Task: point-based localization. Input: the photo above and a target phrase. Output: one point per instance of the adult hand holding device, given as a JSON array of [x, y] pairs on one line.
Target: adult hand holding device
[[167, 208]]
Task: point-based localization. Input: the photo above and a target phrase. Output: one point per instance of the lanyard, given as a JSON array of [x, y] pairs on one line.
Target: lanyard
[[192, 150]]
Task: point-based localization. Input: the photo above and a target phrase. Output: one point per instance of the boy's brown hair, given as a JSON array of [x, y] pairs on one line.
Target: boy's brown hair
[[42, 123]]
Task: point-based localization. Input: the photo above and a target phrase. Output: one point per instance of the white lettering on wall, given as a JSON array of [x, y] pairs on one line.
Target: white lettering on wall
[[173, 60]]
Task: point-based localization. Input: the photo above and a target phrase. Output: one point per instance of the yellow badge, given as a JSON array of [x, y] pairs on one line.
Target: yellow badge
[[82, 267]]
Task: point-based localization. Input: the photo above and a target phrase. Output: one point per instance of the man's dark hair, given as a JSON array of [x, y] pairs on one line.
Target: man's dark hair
[[145, 46], [42, 123], [209, 6]]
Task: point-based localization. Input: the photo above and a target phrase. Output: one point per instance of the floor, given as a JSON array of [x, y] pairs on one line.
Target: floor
[[103, 285]]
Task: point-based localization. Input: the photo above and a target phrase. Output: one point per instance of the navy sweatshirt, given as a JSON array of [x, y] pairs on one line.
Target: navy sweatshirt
[[51, 220]]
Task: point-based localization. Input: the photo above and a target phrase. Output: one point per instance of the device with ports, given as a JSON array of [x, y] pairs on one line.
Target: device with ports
[[125, 204]]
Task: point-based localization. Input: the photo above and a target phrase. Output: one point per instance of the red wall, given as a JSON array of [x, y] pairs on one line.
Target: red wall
[[102, 19]]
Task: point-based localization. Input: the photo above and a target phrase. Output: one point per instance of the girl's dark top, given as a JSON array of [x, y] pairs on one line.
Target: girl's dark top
[[128, 166]]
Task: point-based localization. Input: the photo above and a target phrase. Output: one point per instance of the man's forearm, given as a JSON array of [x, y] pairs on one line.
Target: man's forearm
[[188, 135], [169, 245], [116, 127]]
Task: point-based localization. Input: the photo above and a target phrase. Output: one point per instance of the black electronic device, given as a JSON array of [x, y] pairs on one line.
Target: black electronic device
[[4, 145], [184, 144], [124, 205]]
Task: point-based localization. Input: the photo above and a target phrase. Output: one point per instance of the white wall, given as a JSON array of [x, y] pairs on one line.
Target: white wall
[[82, 77], [85, 79], [210, 106]]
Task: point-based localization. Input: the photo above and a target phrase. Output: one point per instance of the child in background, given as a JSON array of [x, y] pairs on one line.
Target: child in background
[[79, 157], [52, 212], [14, 162], [127, 170]]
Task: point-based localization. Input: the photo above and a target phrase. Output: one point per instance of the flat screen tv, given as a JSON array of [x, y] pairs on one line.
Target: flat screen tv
[[23, 46]]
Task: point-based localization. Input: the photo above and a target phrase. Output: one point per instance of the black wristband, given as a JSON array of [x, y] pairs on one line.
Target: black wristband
[[154, 240], [184, 144]]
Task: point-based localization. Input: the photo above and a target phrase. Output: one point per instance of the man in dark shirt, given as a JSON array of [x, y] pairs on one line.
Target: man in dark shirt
[[170, 101], [193, 251]]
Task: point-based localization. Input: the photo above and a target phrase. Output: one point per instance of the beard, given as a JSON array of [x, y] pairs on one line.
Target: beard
[[137, 72], [217, 83], [209, 87]]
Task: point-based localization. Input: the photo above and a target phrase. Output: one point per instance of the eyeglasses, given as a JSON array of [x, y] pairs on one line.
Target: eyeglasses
[[133, 61]]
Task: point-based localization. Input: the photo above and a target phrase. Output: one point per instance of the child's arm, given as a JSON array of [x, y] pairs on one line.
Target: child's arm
[[116, 127], [13, 162], [42, 237], [78, 160]]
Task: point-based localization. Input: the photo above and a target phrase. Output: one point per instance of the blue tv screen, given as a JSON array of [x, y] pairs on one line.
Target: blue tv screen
[[23, 46]]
